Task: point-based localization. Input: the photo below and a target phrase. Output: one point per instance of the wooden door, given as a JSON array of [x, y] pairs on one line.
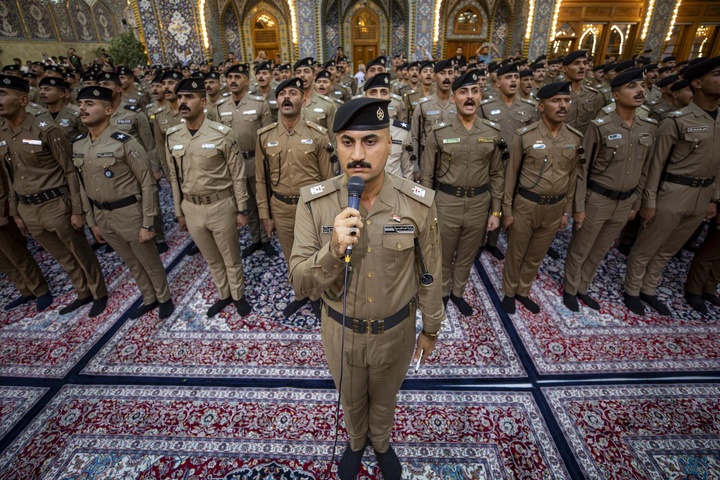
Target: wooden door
[[266, 35], [365, 36], [468, 48]]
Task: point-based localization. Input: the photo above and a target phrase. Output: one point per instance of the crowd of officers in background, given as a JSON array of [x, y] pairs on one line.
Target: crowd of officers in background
[[626, 149]]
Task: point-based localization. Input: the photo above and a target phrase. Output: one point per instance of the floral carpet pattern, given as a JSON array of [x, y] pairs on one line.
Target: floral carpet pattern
[[14, 403]]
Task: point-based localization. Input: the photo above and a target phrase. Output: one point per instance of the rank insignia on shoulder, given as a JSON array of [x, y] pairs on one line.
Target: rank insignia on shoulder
[[317, 189], [123, 137], [419, 191]]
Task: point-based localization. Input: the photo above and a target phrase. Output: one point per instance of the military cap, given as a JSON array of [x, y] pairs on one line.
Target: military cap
[[262, 66], [363, 113], [381, 80], [123, 70], [95, 93], [664, 69], [195, 84], [526, 73], [481, 72], [701, 69], [171, 75], [53, 82], [212, 76], [521, 62], [554, 61], [572, 56], [682, 70], [157, 66], [304, 62], [89, 77], [609, 67], [668, 59], [622, 66], [289, 83], [342, 58], [680, 64], [541, 58], [329, 64], [284, 66], [696, 60], [415, 65], [53, 68], [375, 62], [505, 62], [38, 64], [242, 68], [507, 68], [667, 81], [323, 74], [651, 66], [441, 65], [470, 77], [402, 66], [157, 78], [679, 85], [177, 65], [11, 68], [14, 83], [552, 89], [32, 75], [537, 65], [598, 67], [631, 75], [492, 66], [109, 77]]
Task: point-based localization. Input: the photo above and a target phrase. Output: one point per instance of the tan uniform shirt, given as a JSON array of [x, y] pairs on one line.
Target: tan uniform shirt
[[115, 166], [206, 163], [385, 277], [319, 110], [403, 158], [37, 158], [413, 98], [270, 99], [245, 118], [691, 139], [652, 94], [135, 97], [584, 107], [543, 164], [212, 108], [68, 119], [519, 114], [617, 156], [466, 158], [397, 109], [131, 120], [350, 82], [660, 109], [429, 112], [165, 119], [340, 92]]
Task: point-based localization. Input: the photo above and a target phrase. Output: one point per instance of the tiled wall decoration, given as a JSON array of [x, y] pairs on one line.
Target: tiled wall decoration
[[231, 31], [541, 31], [62, 21], [399, 28], [501, 28], [332, 30], [104, 21], [181, 36], [38, 21], [659, 24], [307, 23], [11, 27], [82, 21]]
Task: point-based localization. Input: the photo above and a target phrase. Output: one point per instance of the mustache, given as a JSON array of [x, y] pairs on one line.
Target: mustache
[[168, 92], [287, 103], [358, 164], [562, 110], [184, 108]]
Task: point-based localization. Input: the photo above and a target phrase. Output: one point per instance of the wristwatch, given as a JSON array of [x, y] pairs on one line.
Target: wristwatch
[[431, 336], [149, 228]]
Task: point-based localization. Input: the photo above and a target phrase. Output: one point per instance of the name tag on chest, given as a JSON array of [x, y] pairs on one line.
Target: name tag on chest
[[249, 112], [177, 147], [318, 110], [208, 145], [434, 112], [495, 112], [124, 122], [327, 229], [397, 142], [225, 114], [306, 141], [399, 229], [104, 155], [27, 141], [451, 140], [697, 129]]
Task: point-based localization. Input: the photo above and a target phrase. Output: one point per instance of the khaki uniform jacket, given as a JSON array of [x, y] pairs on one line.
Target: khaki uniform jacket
[[584, 107], [402, 159], [135, 97], [350, 82], [617, 157], [397, 109], [165, 119], [413, 98], [270, 99], [128, 166], [688, 141], [542, 164], [293, 160], [660, 109], [518, 115], [68, 119], [212, 108], [467, 158], [652, 94], [206, 163], [245, 119], [321, 110], [131, 120], [428, 113], [340, 92], [38, 158], [385, 276]]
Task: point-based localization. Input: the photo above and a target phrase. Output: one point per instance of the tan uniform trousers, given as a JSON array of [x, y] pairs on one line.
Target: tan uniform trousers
[[374, 368], [214, 229], [463, 222], [604, 220], [49, 223], [704, 274], [18, 263], [121, 228], [257, 231], [284, 217], [680, 210], [529, 239]]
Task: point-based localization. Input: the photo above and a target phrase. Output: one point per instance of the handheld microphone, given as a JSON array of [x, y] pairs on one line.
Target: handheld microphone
[[355, 188]]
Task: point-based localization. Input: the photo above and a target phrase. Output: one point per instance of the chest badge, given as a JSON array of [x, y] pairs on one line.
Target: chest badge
[[273, 144], [539, 146], [317, 189], [306, 141], [396, 218], [107, 173], [615, 136], [420, 192], [494, 112]]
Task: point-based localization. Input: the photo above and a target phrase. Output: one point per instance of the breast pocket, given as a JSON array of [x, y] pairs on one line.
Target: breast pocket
[[522, 117], [35, 155], [567, 160], [535, 158], [206, 157], [695, 139], [397, 252]]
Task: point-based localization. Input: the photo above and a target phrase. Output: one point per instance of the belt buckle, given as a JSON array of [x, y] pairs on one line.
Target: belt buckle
[[469, 192], [459, 192], [543, 200], [377, 326], [696, 182], [359, 326], [206, 199]]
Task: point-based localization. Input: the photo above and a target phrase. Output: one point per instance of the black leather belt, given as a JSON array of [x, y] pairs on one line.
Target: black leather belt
[[462, 192], [123, 202], [248, 155], [540, 199], [611, 194], [289, 199], [376, 326], [42, 197], [695, 182]]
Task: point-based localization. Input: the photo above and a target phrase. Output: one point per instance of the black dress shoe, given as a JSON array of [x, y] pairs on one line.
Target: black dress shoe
[[350, 464], [552, 253], [217, 307], [142, 310], [711, 298], [696, 302], [655, 303], [508, 304], [242, 306], [624, 248], [269, 249], [571, 302], [634, 304], [98, 306], [532, 307], [71, 307], [252, 249], [21, 300], [43, 302], [462, 305], [389, 465], [294, 306], [589, 301], [162, 247], [193, 250], [166, 309], [495, 252]]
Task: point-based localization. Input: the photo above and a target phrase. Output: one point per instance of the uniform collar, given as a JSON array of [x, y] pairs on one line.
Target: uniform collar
[[30, 120], [545, 132], [619, 121], [699, 112], [385, 196]]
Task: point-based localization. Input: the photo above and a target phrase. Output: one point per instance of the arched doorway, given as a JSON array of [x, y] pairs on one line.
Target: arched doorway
[[467, 32], [265, 34], [365, 36]]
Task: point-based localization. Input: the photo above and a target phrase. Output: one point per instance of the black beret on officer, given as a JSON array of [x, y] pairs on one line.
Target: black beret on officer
[[554, 61], [123, 70], [95, 93], [507, 68], [415, 64], [441, 65], [492, 66], [212, 76], [679, 85], [304, 62], [379, 61], [470, 77], [14, 83], [323, 74], [53, 68], [701, 68], [34, 75], [572, 56], [109, 77], [242, 68], [669, 80], [53, 82], [11, 68], [329, 64], [284, 67], [622, 66], [427, 64], [290, 82], [541, 58], [552, 89], [632, 75], [668, 59], [172, 75], [381, 80], [526, 73], [193, 84], [262, 66], [364, 114]]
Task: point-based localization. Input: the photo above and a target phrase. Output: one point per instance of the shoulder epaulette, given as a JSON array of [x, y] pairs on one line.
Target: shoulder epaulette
[[491, 124], [317, 127], [338, 101], [644, 108], [400, 124], [598, 121], [592, 89], [220, 128], [609, 108], [173, 129], [360, 95], [226, 94], [574, 130], [423, 100], [677, 113], [318, 190], [325, 97], [426, 196], [524, 130], [487, 100], [133, 108], [79, 137], [266, 128], [221, 101], [396, 96], [406, 94], [652, 102], [44, 124], [528, 101], [648, 119], [149, 106], [440, 125], [257, 98], [122, 137]]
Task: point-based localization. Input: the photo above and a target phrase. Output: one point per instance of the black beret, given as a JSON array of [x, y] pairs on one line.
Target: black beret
[[323, 74], [177, 65], [204, 62], [362, 114], [664, 69], [171, 75], [289, 83], [572, 56], [89, 76], [33, 75], [470, 77], [492, 66], [95, 93], [701, 68], [285, 66], [212, 76], [157, 66], [109, 77], [14, 83], [552, 89], [381, 80], [554, 61], [668, 59], [441, 65], [631, 75], [526, 73], [342, 58], [650, 67], [123, 70], [304, 62], [376, 62], [185, 67], [598, 67], [329, 64], [38, 64], [53, 68], [696, 60], [157, 78], [262, 66], [481, 72], [242, 68], [537, 65], [53, 82], [11, 68], [609, 67], [679, 85], [679, 64], [622, 66], [415, 65], [541, 58], [507, 68], [427, 64], [667, 81], [402, 66], [196, 84]]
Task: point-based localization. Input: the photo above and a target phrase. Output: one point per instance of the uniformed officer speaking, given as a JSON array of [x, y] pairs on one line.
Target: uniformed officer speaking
[[210, 195], [394, 216]]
